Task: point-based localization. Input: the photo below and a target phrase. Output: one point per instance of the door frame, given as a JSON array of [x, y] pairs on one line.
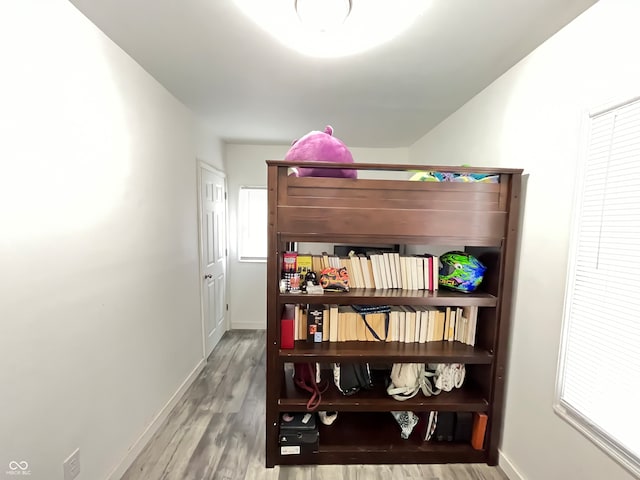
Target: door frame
[[202, 165]]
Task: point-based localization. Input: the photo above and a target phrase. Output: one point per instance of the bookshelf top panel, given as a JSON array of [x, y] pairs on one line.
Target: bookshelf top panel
[[395, 167]]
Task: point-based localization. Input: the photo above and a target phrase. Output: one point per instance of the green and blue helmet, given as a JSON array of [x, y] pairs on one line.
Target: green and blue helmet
[[460, 271]]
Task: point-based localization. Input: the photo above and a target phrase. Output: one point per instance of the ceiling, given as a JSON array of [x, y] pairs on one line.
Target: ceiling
[[251, 89]]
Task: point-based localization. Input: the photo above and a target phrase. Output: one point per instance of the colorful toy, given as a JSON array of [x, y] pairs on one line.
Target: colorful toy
[[460, 271], [454, 177], [318, 146]]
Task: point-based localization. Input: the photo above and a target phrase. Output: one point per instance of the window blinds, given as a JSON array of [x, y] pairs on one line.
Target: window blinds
[[252, 223], [599, 381]]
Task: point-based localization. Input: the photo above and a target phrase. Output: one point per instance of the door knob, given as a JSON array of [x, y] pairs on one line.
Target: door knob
[[208, 276]]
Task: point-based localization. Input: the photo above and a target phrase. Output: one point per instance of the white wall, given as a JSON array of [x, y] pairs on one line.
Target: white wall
[[531, 118], [99, 304], [245, 166]]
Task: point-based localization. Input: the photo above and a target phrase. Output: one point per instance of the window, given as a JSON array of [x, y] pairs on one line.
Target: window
[[598, 388], [252, 224]]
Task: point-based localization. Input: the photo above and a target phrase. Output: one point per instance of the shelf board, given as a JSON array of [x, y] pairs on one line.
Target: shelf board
[[391, 238], [430, 352], [379, 296], [374, 438], [465, 399]]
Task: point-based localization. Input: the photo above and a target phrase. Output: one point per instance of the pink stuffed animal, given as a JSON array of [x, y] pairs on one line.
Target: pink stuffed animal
[[321, 147]]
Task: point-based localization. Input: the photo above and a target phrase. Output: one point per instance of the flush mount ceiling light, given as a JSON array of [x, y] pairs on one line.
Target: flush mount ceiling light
[[322, 15], [333, 28]]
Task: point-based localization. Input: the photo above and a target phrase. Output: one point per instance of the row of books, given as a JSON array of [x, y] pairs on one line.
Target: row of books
[[380, 270], [407, 324]]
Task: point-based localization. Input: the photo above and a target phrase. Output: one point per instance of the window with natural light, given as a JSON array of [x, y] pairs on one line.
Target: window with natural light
[[599, 373], [252, 224]]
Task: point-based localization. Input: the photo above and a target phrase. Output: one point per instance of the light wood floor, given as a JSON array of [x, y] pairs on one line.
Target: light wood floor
[[216, 432]]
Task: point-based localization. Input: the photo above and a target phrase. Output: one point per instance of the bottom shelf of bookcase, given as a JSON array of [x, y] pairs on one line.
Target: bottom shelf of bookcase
[[374, 438]]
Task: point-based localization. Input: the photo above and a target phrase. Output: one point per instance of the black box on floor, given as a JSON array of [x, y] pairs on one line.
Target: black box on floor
[[298, 433]]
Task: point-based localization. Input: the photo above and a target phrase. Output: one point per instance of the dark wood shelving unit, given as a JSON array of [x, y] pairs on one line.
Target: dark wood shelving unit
[[481, 217]]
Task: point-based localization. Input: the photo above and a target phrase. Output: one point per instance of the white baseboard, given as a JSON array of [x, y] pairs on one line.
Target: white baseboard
[[155, 424], [248, 326], [508, 468]]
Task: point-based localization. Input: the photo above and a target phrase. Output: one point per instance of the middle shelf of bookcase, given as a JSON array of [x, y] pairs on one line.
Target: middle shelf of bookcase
[[371, 296], [430, 352], [468, 398]]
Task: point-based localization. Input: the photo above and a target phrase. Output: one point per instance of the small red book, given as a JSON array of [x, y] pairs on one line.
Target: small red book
[[286, 327]]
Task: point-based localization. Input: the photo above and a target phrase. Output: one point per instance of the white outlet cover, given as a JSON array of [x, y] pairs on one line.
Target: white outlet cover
[[71, 465]]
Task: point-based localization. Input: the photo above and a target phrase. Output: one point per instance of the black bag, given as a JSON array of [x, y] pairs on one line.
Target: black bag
[[351, 377]]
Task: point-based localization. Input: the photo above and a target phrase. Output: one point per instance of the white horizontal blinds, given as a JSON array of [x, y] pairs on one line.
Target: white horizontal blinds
[[601, 368]]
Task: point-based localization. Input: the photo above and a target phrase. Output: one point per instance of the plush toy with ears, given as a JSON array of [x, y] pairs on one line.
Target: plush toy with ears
[[318, 146]]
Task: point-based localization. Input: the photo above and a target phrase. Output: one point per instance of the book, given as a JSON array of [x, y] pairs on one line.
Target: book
[[423, 313], [464, 424], [325, 323], [410, 325], [287, 323], [303, 322], [478, 430], [333, 323], [418, 331], [452, 325], [343, 326], [431, 323], [402, 324], [387, 269], [394, 324], [367, 274], [403, 273], [377, 278], [420, 272], [314, 323], [396, 263], [356, 278], [290, 262], [445, 427], [447, 322], [440, 319], [316, 264], [413, 273], [436, 272], [304, 263]]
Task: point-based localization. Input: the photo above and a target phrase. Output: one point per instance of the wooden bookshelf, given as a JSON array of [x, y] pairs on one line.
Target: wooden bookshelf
[[481, 217]]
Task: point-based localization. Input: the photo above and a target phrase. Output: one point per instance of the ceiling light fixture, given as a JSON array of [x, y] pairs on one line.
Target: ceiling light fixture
[[322, 15], [333, 28]]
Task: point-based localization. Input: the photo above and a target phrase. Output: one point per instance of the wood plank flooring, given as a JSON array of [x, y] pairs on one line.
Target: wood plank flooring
[[216, 432]]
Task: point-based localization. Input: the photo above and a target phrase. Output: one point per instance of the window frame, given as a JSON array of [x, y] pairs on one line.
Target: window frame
[[243, 225], [599, 437]]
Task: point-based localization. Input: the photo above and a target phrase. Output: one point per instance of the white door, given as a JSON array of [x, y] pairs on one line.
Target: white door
[[213, 255]]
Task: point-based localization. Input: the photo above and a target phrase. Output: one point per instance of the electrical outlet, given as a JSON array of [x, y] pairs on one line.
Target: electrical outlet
[[72, 465]]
